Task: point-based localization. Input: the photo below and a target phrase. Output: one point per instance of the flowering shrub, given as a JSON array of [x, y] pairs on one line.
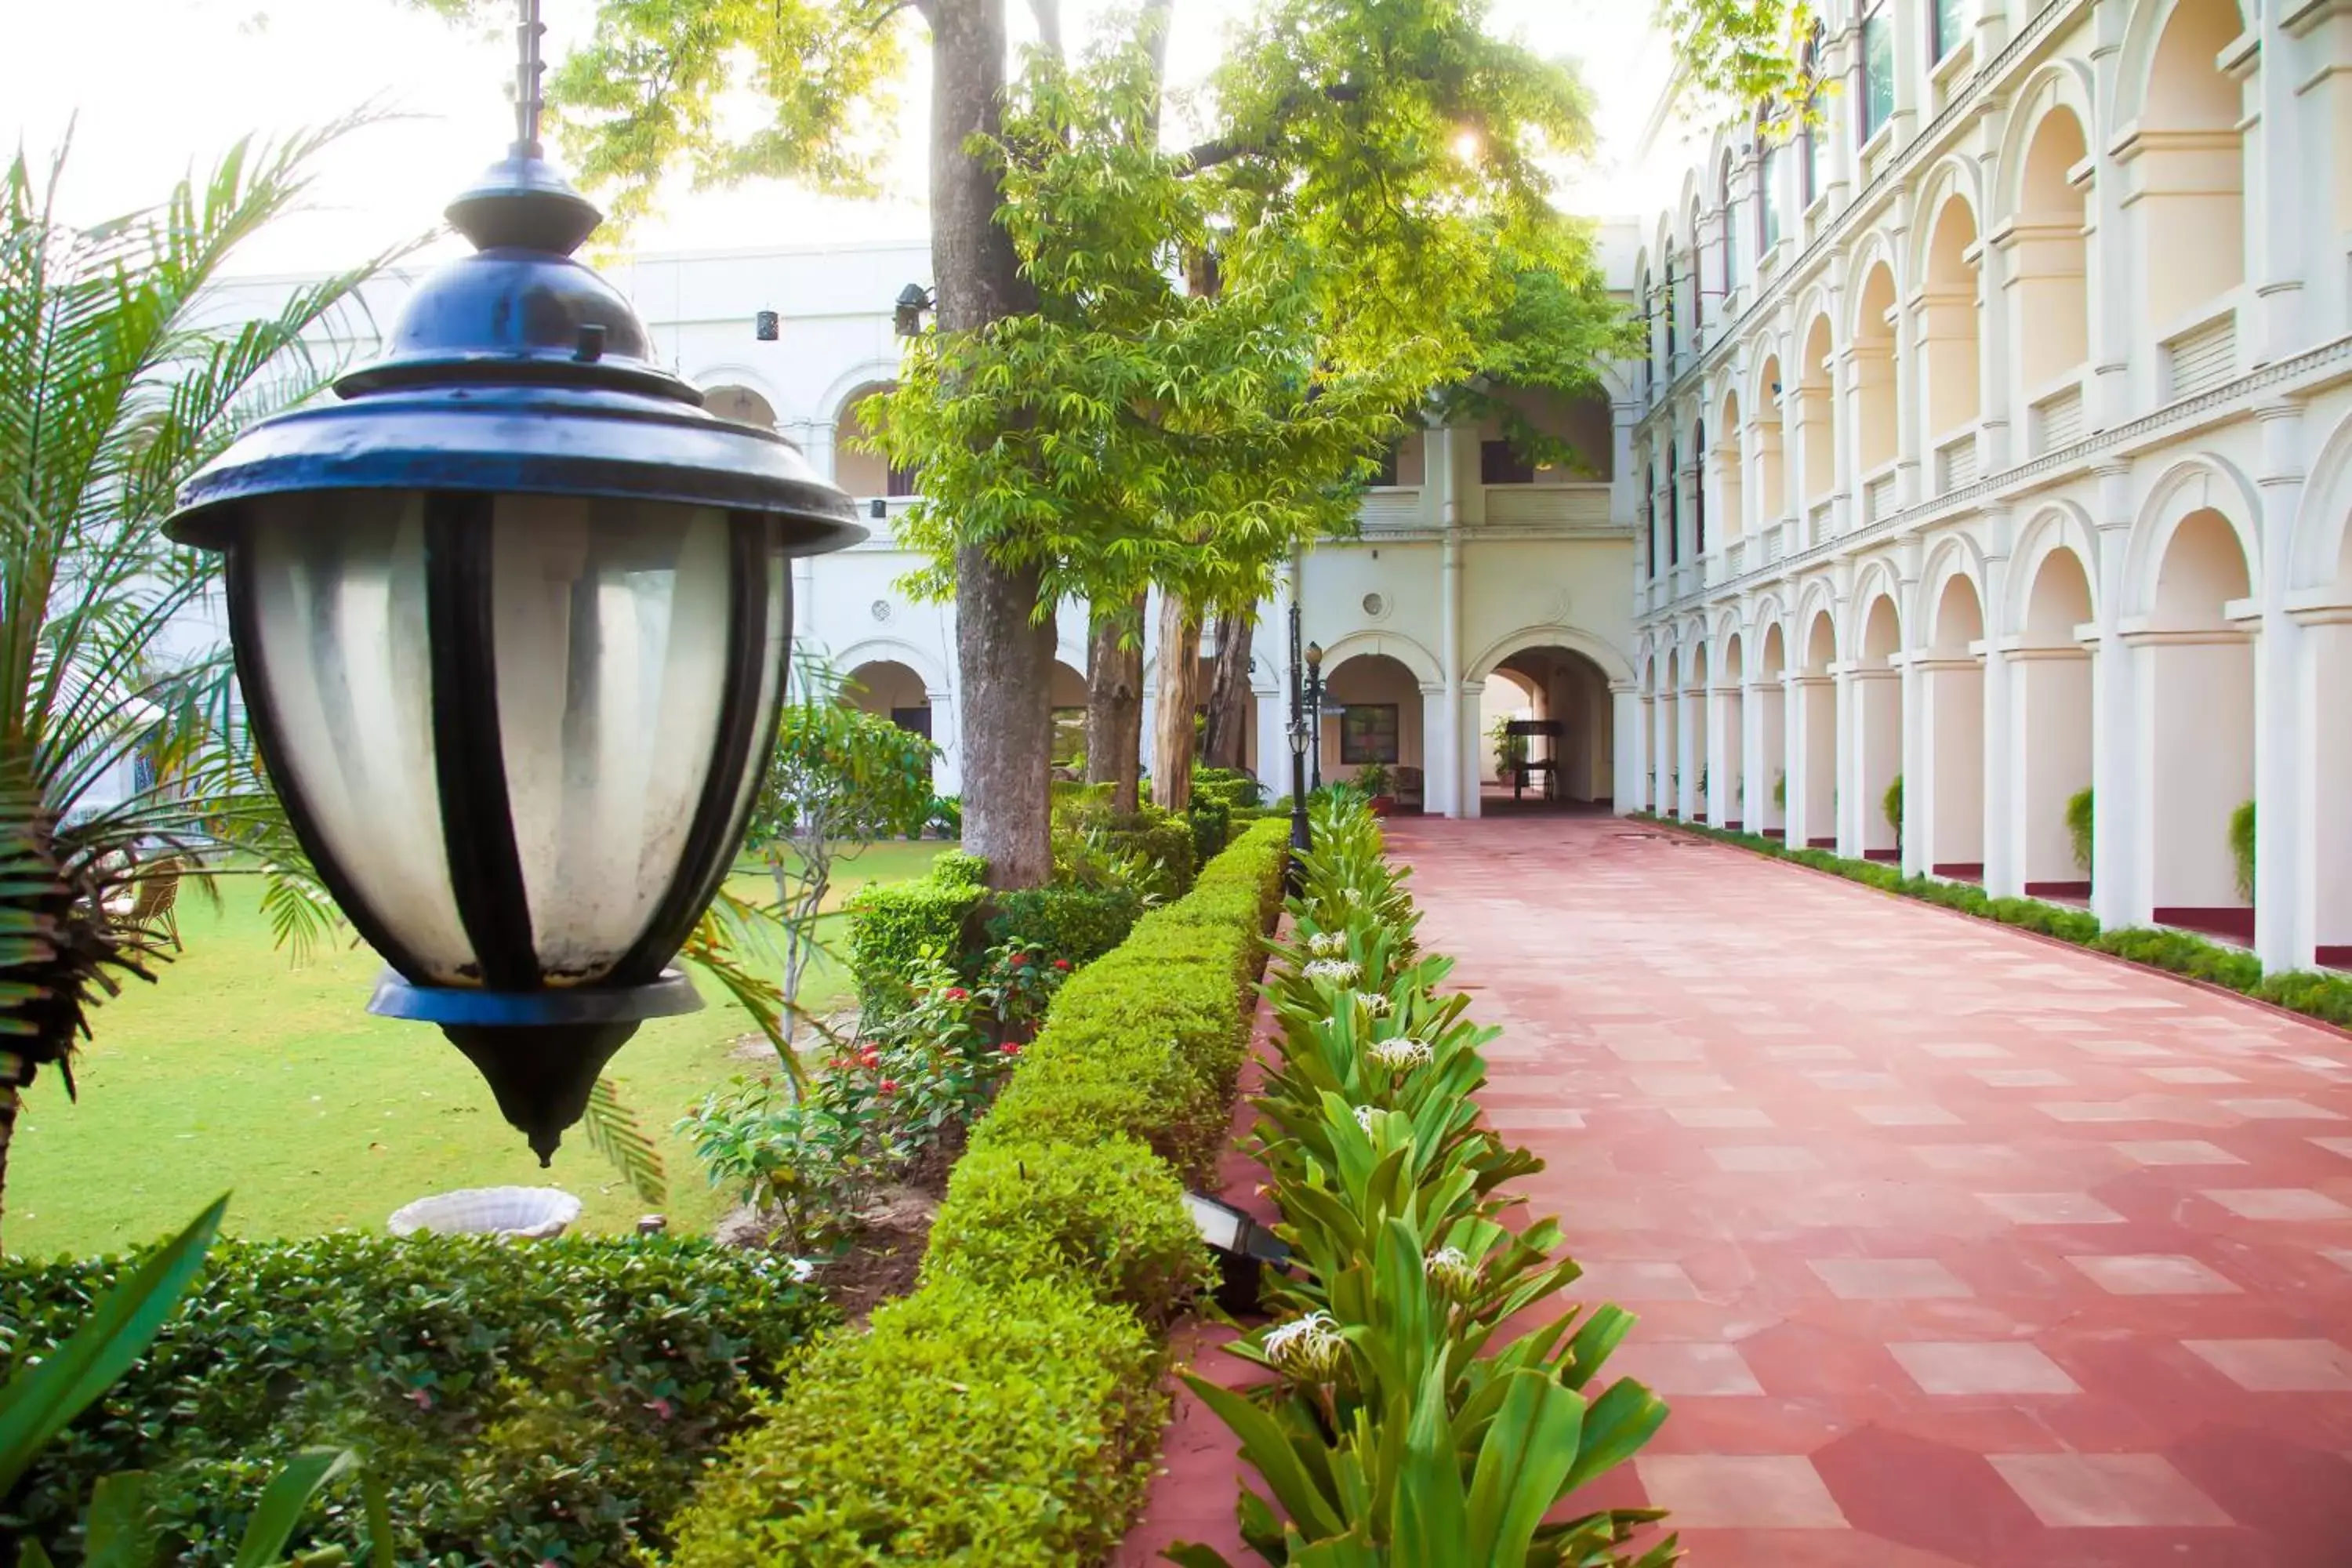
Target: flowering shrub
[[876, 1103], [1017, 984]]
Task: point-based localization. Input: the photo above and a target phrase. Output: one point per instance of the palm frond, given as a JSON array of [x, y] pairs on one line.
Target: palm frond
[[613, 1130]]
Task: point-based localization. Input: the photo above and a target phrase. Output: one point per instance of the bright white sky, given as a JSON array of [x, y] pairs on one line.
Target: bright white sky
[[152, 86]]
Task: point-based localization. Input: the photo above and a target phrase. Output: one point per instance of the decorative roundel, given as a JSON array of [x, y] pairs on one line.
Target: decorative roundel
[[1375, 605], [881, 609]]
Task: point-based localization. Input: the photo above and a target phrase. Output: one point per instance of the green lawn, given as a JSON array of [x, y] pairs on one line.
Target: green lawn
[[239, 1072]]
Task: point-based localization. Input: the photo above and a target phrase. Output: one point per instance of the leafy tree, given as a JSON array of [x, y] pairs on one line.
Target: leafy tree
[[1741, 53], [113, 390], [1151, 366], [839, 779]]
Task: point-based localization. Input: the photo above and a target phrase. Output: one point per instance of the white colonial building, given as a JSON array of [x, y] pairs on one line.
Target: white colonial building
[[1997, 435]]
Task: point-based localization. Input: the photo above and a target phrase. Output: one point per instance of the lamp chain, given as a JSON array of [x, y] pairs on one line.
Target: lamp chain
[[528, 66]]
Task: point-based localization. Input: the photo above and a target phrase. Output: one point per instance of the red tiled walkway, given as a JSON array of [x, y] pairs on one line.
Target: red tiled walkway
[[1949, 1246]]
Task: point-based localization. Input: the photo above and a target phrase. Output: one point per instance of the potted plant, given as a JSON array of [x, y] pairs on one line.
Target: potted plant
[[1374, 780]]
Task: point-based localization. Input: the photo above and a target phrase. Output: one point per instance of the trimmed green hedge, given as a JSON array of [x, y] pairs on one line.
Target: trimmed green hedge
[[1006, 1413], [891, 925], [997, 1427], [1075, 924], [552, 1400], [2325, 996]]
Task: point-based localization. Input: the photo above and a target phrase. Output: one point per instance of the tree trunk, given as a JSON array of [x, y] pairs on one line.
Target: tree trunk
[[1227, 742], [1004, 653], [1179, 693], [1115, 703]]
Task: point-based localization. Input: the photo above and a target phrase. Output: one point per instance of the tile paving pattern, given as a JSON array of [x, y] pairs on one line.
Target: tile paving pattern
[[1950, 1247]]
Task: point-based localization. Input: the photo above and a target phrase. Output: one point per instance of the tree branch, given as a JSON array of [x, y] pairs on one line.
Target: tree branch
[[1049, 25], [1225, 149]]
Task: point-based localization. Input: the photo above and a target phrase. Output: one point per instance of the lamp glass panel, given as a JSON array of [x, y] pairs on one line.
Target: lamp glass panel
[[338, 583], [611, 629]]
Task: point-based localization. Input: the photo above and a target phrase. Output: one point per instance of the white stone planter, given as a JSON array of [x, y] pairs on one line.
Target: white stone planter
[[532, 1213]]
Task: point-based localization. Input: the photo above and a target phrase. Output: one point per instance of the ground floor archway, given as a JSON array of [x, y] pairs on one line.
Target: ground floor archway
[[1564, 751]]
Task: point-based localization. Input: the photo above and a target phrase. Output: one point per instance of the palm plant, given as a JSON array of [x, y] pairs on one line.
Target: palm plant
[[115, 385]]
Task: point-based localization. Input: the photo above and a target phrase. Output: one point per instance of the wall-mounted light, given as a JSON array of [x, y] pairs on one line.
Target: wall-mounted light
[[913, 301], [767, 326]]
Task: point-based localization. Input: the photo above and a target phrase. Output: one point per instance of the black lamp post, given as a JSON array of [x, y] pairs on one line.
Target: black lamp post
[[1314, 714], [1302, 837], [510, 617]]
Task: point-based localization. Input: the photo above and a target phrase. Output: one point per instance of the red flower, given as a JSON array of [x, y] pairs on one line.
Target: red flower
[[1010, 1048], [661, 1407], [424, 1400], [1018, 960], [1061, 963], [958, 994], [889, 1085]]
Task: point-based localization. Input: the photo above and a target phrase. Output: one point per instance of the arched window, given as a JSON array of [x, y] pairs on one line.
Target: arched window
[[1643, 300], [1698, 278], [1877, 69], [1768, 186], [1673, 299], [1698, 489], [1650, 514], [1951, 24], [1813, 138], [1673, 506], [1730, 228]]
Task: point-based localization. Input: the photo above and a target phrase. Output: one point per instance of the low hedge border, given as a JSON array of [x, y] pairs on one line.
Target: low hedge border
[[1008, 1412], [2307, 994]]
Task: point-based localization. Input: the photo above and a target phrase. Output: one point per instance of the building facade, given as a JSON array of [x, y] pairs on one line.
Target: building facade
[[1996, 438]]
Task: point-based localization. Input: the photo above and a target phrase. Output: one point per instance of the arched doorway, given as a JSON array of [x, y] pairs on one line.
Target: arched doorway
[[1561, 699], [1666, 775], [2200, 763], [1952, 682], [1694, 781], [1728, 745], [865, 473], [1814, 789], [1878, 729], [2050, 738], [892, 689], [741, 405], [1768, 794], [1949, 366], [2188, 171], [1372, 717], [1068, 697]]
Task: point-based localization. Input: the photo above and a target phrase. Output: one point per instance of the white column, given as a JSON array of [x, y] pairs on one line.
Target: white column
[[2000, 815], [1852, 839], [1662, 752], [1627, 746], [947, 772], [2287, 860], [2277, 200], [1455, 788], [1468, 740], [2109, 259], [1441, 750], [2123, 847]]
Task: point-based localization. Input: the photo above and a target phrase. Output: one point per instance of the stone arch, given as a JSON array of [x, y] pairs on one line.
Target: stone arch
[[2321, 555], [2200, 483], [1953, 557], [1946, 320], [2185, 154], [861, 472], [1815, 392], [2198, 764], [1610, 659], [1878, 394], [1875, 580], [855, 380], [895, 650], [742, 404], [1876, 249], [2061, 526], [2060, 86], [1953, 178], [1876, 709], [1396, 646], [1818, 637]]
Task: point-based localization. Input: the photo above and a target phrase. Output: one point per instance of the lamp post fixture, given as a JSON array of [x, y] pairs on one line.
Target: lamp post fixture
[[907, 316], [1315, 713], [1302, 837], [511, 618]]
